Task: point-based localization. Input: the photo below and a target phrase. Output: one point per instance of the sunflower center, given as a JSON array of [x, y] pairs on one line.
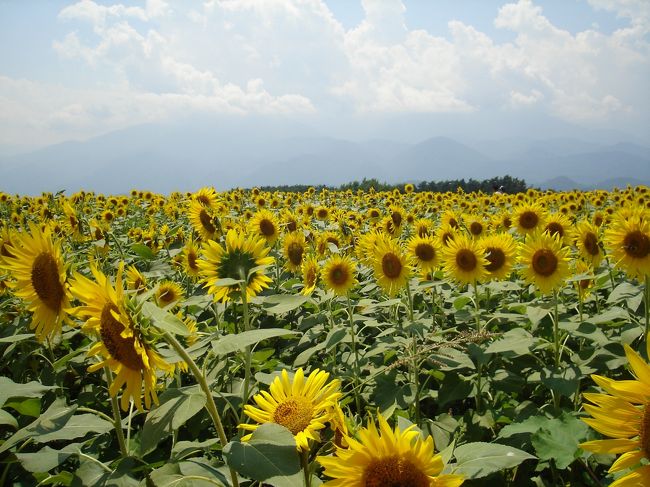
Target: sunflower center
[[394, 472], [267, 228], [206, 221], [507, 222], [396, 216], [636, 244], [555, 228], [292, 226], [295, 414], [644, 433], [528, 220], [476, 228], [496, 259], [391, 265], [45, 279], [591, 244], [294, 252], [121, 349], [339, 275], [544, 262], [425, 252], [167, 296], [310, 278], [466, 260], [191, 261]]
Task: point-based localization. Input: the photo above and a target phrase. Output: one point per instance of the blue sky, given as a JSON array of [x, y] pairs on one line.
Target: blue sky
[[72, 70]]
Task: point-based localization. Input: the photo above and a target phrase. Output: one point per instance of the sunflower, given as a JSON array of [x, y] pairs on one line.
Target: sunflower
[[390, 266], [293, 248], [206, 196], [588, 243], [422, 227], [583, 286], [303, 405], [338, 274], [423, 251], [122, 347], [623, 413], [190, 257], [264, 225], [310, 271], [475, 225], [558, 224], [168, 292], [242, 258], [464, 260], [35, 261], [628, 240], [446, 234], [205, 224], [135, 280], [387, 457], [500, 251], [545, 261], [529, 218]]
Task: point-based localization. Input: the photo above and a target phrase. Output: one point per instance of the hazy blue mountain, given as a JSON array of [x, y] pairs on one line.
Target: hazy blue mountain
[[234, 151]]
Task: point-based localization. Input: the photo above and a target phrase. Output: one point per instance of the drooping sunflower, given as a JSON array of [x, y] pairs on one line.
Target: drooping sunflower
[[236, 260], [464, 260], [588, 243], [39, 274], [303, 405], [168, 292], [501, 254], [338, 274], [390, 266], [623, 414], [265, 225], [293, 248], [203, 221], [545, 261], [628, 241], [310, 271], [135, 280], [423, 252], [528, 218], [387, 457], [120, 345]]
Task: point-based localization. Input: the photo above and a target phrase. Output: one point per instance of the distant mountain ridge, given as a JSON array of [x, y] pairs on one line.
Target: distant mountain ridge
[[165, 158]]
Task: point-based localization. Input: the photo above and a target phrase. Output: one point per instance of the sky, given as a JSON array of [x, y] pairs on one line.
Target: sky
[[74, 70]]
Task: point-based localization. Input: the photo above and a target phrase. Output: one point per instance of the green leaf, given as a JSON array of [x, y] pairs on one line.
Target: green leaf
[[143, 251], [6, 418], [278, 304], [517, 340], [559, 439], [453, 388], [78, 426], [227, 282], [16, 338], [609, 316], [183, 449], [623, 291], [233, 343], [27, 407], [47, 458], [529, 425], [478, 460], [52, 420], [270, 456], [9, 388], [177, 406], [164, 320], [175, 475]]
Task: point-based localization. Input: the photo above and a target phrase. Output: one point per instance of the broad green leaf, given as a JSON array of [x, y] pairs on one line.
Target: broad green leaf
[[143, 251], [7, 418], [52, 420], [47, 458], [16, 338], [9, 388], [26, 407], [529, 425], [623, 291], [453, 388], [559, 439], [335, 336], [233, 343], [610, 315], [78, 426], [228, 282], [270, 456], [171, 475], [517, 340], [278, 304], [182, 449], [478, 460], [164, 320], [177, 406]]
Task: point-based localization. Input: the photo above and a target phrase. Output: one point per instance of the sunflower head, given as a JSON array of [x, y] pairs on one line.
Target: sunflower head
[[464, 260], [265, 225], [203, 221], [390, 266], [501, 253], [529, 218], [545, 261], [168, 293], [628, 240], [310, 272], [423, 251], [302, 404], [338, 274], [293, 248]]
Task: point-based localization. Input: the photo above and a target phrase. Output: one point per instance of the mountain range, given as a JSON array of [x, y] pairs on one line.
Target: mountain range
[[168, 157]]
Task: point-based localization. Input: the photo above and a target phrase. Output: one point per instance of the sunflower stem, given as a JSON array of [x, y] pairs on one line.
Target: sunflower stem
[[128, 426], [556, 348], [304, 460], [357, 370], [117, 243], [479, 369], [414, 363], [209, 404], [247, 353], [117, 417]]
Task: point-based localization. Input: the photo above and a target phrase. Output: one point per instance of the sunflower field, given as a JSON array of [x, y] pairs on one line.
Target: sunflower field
[[335, 338]]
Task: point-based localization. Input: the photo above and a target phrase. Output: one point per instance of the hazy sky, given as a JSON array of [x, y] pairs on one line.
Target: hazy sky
[[72, 70]]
